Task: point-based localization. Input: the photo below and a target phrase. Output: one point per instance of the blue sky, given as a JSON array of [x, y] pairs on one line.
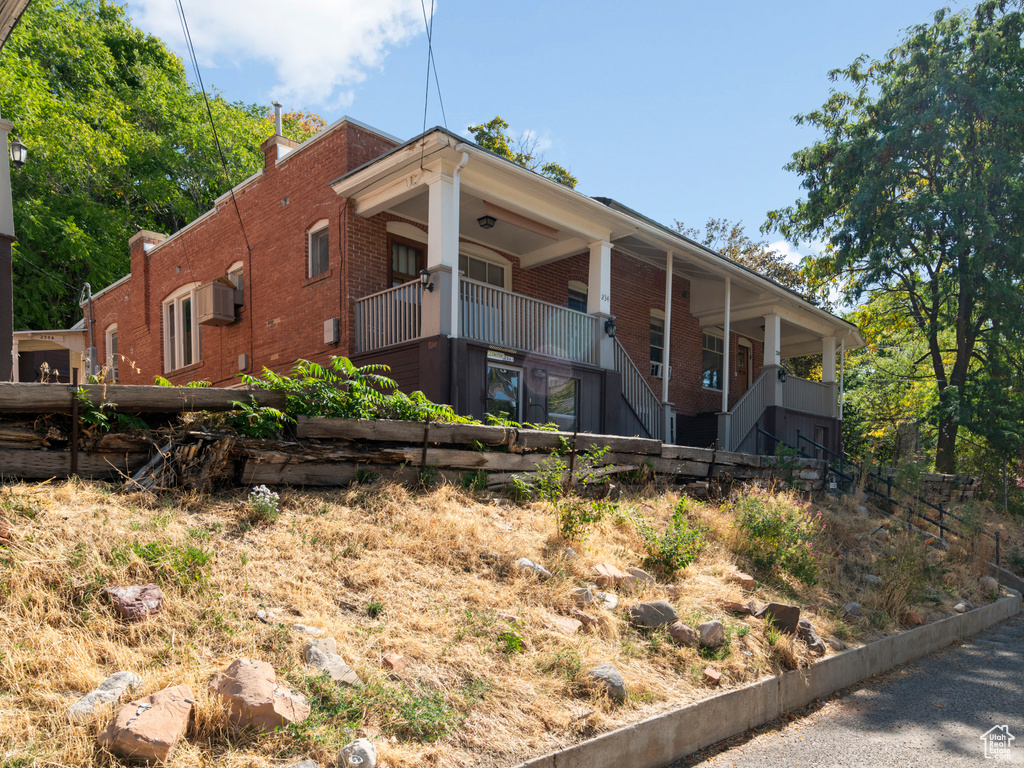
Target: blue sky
[[681, 110]]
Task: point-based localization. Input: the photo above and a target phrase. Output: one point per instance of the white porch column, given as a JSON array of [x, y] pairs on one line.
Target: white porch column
[[6, 240], [599, 298], [773, 358], [842, 375], [442, 255], [724, 417], [828, 369], [666, 354], [14, 360]]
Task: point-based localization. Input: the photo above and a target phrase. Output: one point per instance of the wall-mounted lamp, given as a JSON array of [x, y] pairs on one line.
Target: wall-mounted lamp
[[609, 327], [18, 152], [425, 280], [486, 222], [782, 375]]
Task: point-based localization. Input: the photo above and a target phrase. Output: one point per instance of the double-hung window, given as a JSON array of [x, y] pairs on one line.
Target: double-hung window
[[713, 356], [318, 250], [182, 343], [112, 356], [657, 344]]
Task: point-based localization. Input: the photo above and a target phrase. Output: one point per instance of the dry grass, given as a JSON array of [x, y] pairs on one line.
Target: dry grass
[[481, 689]]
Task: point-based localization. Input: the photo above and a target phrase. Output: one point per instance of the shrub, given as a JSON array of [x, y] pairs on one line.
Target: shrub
[[574, 515], [782, 534], [904, 573], [186, 566], [674, 549], [263, 505]]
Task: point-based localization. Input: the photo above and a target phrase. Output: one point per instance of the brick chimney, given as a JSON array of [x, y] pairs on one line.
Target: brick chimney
[[139, 245]]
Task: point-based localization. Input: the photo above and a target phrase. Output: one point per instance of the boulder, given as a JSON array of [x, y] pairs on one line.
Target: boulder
[[837, 644], [961, 607], [562, 624], [136, 602], [332, 664], [712, 676], [360, 752], [394, 661], [607, 600], [609, 576], [914, 619], [583, 618], [711, 633], [641, 577], [149, 729], [683, 634], [651, 615], [529, 566], [852, 611], [252, 696], [745, 580], [989, 584], [109, 691], [610, 681], [785, 617], [806, 632], [583, 597], [325, 644], [735, 606]]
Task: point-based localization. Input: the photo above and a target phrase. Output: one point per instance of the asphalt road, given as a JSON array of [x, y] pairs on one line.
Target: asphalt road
[[929, 713]]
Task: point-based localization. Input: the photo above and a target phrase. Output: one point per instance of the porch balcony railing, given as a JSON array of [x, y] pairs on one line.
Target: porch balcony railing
[[638, 393], [389, 317], [797, 395], [809, 396], [505, 319]]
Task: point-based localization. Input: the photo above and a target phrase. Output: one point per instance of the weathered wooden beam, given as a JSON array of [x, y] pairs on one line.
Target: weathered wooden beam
[[402, 431], [39, 465], [337, 473], [686, 452], [128, 398], [540, 440]]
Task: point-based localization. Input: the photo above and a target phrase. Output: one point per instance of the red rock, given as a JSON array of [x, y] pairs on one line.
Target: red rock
[[610, 576], [748, 582], [712, 676], [5, 534], [149, 729], [137, 602], [735, 606], [250, 692], [683, 634], [914, 619], [394, 661], [562, 624], [584, 618]]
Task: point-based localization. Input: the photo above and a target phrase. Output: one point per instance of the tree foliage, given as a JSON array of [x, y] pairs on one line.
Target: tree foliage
[[119, 141], [494, 137], [918, 188]]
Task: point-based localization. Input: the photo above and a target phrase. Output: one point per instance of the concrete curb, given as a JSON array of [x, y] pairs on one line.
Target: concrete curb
[[660, 740]]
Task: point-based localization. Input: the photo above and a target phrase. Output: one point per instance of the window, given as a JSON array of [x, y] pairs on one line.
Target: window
[[407, 259], [112, 356], [482, 271], [504, 387], [577, 296], [657, 343], [236, 276], [714, 350], [318, 249], [182, 345], [562, 402]]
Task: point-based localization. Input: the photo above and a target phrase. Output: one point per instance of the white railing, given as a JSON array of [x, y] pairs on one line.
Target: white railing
[[505, 319], [809, 396], [389, 317], [638, 393], [748, 410]]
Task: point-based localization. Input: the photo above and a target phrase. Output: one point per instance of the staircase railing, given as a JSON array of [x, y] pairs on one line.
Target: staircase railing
[[638, 393], [747, 411]]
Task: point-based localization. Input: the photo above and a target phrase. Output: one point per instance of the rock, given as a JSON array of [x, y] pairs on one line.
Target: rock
[[914, 619], [608, 678], [837, 644], [5, 534], [528, 565], [314, 631], [862, 509], [261, 615], [325, 644], [734, 606], [961, 607], [367, 732], [785, 617], [745, 580], [149, 729], [682, 634], [306, 764], [672, 591], [252, 696], [712, 634], [607, 600], [882, 534], [650, 615], [583, 618], [360, 752], [643, 578], [109, 691], [852, 610], [583, 596], [509, 618], [137, 602], [989, 584], [872, 579], [332, 664], [806, 632], [569, 553], [712, 676], [562, 624], [609, 575], [395, 662]]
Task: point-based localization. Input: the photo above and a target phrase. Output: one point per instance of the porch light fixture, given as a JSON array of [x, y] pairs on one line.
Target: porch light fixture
[[425, 281], [18, 152], [782, 375], [609, 327], [486, 222]]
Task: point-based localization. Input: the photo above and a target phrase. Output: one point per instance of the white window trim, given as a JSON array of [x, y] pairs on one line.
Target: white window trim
[[658, 369], [312, 232], [720, 335], [186, 291], [492, 257], [112, 362]]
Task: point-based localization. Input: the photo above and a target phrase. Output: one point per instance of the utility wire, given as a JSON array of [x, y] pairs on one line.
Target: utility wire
[[431, 62]]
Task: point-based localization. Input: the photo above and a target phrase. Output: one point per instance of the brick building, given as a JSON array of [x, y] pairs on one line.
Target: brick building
[[479, 282]]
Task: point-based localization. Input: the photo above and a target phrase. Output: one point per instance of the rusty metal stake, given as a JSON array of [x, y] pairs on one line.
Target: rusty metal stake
[[74, 422], [426, 437], [998, 569], [572, 458]]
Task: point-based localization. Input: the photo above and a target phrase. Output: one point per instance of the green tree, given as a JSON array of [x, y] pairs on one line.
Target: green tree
[[119, 141], [918, 188], [494, 137]]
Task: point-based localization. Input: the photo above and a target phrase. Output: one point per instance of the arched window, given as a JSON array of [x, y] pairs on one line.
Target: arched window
[[182, 343]]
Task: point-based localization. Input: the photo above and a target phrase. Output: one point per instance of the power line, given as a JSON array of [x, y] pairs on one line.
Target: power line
[[432, 63]]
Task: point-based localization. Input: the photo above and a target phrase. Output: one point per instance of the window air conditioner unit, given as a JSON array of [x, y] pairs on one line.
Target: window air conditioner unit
[[215, 303], [657, 369]]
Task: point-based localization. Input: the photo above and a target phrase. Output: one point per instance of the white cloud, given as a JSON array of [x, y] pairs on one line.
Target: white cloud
[[793, 254], [319, 49]]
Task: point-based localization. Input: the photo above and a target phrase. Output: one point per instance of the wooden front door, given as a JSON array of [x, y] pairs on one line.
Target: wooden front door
[[742, 369]]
